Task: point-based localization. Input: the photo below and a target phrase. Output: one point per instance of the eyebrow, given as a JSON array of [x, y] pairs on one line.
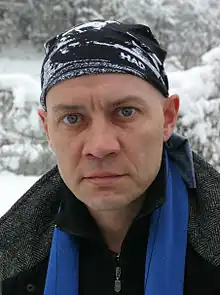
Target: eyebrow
[[66, 107], [127, 99]]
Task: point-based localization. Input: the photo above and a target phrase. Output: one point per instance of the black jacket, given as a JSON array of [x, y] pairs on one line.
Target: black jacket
[[202, 278], [26, 230]]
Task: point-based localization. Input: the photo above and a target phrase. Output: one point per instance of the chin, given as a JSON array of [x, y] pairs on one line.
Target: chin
[[107, 203]]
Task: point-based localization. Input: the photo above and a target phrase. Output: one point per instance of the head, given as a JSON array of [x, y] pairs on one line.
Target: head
[[107, 131]]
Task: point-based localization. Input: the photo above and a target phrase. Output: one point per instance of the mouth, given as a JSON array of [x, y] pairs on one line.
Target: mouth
[[103, 178]]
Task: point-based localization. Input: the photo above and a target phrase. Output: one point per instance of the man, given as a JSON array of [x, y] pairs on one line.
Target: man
[[135, 210]]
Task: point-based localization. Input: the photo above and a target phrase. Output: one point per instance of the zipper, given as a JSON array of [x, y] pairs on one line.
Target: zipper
[[117, 285]]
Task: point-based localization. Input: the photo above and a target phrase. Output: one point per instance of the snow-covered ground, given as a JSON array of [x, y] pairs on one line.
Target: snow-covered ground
[[12, 188], [195, 86]]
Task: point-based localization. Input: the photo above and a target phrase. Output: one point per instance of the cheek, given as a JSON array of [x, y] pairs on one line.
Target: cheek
[[68, 149], [152, 139], [62, 147], [150, 149], [150, 134], [59, 143], [60, 139], [147, 151]]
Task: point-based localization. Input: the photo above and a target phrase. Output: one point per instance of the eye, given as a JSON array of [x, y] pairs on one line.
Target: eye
[[72, 119], [127, 111]]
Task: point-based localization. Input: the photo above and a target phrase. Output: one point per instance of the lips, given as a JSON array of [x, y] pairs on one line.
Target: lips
[[104, 178], [102, 175]]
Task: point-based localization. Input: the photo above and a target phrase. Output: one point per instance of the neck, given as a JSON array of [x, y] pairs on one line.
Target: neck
[[114, 224]]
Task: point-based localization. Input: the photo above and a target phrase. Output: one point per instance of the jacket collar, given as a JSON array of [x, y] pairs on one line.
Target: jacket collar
[[179, 150]]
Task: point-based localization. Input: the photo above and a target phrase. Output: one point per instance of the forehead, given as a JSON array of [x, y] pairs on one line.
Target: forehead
[[105, 88]]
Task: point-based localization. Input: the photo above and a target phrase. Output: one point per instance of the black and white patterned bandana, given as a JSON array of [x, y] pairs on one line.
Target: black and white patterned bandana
[[100, 47]]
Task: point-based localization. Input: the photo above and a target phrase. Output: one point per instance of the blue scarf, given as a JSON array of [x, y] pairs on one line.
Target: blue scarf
[[166, 250]]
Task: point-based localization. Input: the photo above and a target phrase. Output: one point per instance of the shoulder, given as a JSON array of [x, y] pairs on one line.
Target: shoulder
[[26, 229], [203, 170], [204, 214]]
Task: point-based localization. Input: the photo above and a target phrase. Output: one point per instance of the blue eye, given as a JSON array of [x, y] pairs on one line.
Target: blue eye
[[127, 111], [72, 119]]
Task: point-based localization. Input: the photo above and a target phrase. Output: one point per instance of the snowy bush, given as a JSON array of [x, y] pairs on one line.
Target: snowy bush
[[23, 146], [199, 90], [203, 131]]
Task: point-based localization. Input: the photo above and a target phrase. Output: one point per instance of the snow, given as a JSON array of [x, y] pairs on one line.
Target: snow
[[195, 86], [192, 85], [96, 25], [24, 87], [12, 188], [211, 56], [133, 51], [22, 59]]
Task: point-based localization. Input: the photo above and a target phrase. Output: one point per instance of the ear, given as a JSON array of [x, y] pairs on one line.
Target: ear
[[171, 109], [43, 117]]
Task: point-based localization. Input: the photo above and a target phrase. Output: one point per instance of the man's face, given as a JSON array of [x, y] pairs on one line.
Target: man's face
[[107, 132]]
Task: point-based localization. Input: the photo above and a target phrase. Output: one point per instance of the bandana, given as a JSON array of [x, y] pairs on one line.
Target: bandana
[[100, 47]]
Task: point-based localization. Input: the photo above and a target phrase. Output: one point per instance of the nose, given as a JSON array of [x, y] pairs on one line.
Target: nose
[[101, 140]]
